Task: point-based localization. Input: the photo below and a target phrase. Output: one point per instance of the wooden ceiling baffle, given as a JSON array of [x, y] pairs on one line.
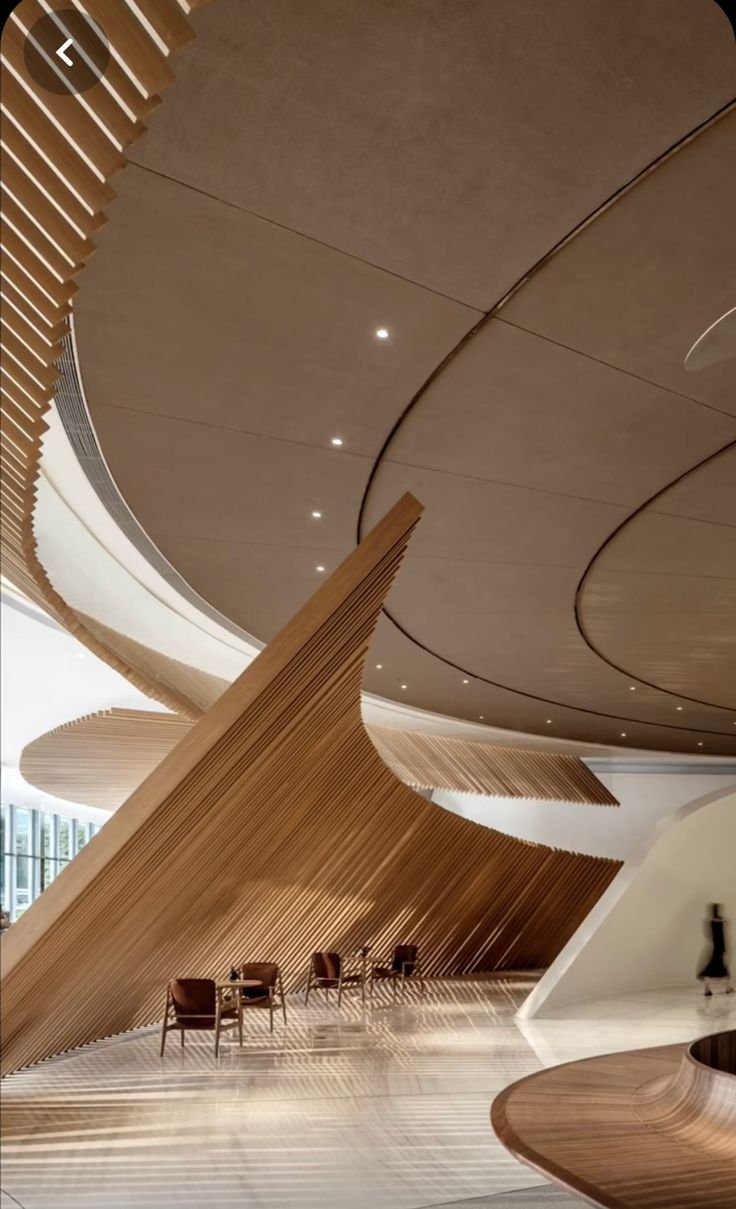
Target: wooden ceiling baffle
[[273, 829], [59, 151]]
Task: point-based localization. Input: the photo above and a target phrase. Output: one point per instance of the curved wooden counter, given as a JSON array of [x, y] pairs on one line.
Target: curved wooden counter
[[645, 1128]]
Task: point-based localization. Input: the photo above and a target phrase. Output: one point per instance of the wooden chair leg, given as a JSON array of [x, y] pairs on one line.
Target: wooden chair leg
[[421, 980], [270, 1009], [339, 990], [403, 985], [394, 983], [166, 1020], [283, 1000], [217, 1028], [309, 986], [181, 1031], [240, 1020]]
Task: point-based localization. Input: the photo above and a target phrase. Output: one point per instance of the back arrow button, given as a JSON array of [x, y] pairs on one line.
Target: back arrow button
[[62, 55]]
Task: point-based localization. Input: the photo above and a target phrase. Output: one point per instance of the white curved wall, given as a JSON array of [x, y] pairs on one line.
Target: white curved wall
[[647, 930], [645, 797]]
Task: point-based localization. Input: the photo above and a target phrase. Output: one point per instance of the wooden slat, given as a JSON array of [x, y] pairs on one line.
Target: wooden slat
[[16, 148], [275, 828], [645, 1129], [22, 111], [141, 56], [167, 18], [437, 762]]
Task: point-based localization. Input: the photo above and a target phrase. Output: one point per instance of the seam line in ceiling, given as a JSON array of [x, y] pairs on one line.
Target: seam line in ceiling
[[439, 369], [670, 390], [321, 243], [611, 537]]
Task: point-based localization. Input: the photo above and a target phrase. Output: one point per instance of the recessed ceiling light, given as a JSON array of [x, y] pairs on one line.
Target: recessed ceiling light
[[623, 734], [379, 666], [382, 333], [336, 441], [466, 682], [549, 721], [700, 744], [317, 515], [632, 688], [319, 568], [482, 716], [405, 686], [679, 708]]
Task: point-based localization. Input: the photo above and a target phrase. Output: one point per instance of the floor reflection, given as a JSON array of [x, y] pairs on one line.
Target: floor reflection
[[378, 1108]]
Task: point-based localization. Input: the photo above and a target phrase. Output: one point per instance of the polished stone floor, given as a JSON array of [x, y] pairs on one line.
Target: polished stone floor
[[385, 1108]]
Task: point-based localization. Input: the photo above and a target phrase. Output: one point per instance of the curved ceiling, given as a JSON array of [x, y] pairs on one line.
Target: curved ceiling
[[321, 171]]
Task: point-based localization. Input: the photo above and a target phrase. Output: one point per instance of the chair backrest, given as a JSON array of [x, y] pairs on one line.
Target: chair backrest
[[193, 997], [326, 965], [405, 958], [267, 973]]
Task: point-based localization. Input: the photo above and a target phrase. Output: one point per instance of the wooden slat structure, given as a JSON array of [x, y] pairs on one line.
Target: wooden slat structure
[[273, 829], [437, 762], [101, 758], [58, 153], [643, 1129]]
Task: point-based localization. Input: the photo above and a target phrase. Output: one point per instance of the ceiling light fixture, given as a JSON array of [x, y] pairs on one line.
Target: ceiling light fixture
[[336, 441], [405, 686], [700, 744], [382, 333], [317, 516], [319, 568], [678, 708], [632, 688], [623, 734], [481, 717], [379, 666], [549, 721], [466, 682]]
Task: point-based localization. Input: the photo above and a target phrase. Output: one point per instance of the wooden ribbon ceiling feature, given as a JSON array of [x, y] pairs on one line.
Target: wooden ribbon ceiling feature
[[101, 758], [59, 150], [434, 762], [275, 829]]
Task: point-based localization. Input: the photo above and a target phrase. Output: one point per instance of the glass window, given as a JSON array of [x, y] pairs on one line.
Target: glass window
[[22, 831], [49, 870], [65, 840], [47, 835], [82, 835]]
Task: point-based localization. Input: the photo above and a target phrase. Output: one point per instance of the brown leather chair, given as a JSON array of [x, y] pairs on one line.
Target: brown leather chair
[[326, 971], [403, 966], [270, 993], [198, 1003]]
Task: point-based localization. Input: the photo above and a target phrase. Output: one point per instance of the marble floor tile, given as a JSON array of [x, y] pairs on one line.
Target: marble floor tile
[[382, 1108]]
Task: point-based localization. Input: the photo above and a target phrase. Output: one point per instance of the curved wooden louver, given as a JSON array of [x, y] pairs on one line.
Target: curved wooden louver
[[274, 829], [435, 762], [58, 154], [101, 758]]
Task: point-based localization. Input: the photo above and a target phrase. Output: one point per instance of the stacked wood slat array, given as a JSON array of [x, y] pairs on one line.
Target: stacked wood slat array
[[273, 829], [59, 152], [101, 758]]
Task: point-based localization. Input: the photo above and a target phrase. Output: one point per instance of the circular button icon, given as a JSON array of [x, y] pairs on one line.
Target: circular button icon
[[66, 52]]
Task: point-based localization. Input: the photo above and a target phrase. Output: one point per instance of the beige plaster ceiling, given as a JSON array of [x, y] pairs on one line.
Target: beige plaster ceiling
[[323, 170]]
